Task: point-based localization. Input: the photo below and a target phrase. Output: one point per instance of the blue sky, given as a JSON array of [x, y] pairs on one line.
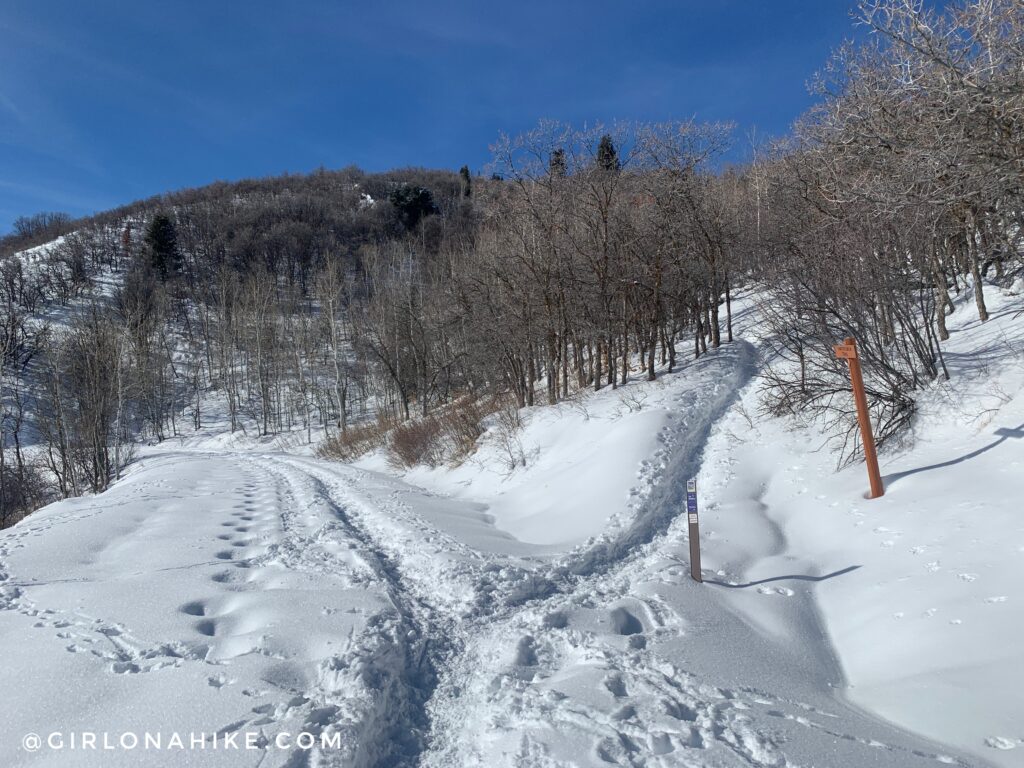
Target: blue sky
[[104, 102]]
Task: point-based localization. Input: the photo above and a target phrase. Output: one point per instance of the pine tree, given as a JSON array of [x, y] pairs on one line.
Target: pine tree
[[557, 165], [467, 181], [413, 203], [607, 157], [162, 243]]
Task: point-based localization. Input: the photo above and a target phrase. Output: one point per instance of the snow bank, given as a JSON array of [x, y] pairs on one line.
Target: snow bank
[[924, 604], [589, 462]]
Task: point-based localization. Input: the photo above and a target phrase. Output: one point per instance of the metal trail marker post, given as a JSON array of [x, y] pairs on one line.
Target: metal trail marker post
[[848, 351], [691, 515]]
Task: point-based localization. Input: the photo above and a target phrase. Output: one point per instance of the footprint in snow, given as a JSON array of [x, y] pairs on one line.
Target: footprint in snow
[[616, 686], [207, 628], [784, 591], [997, 599], [1001, 742], [526, 652], [625, 623], [967, 576], [194, 608]]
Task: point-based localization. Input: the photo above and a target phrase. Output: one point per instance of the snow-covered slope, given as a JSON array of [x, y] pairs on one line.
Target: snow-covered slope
[[926, 604], [545, 616]]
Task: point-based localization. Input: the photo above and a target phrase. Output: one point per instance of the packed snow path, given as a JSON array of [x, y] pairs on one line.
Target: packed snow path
[[269, 593]]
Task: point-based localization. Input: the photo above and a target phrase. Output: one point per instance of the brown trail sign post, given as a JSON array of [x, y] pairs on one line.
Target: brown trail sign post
[[848, 351]]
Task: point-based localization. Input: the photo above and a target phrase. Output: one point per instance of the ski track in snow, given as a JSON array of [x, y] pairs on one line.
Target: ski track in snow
[[605, 655]]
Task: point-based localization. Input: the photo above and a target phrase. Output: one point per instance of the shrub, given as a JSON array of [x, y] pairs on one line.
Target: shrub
[[355, 441], [23, 492], [447, 436]]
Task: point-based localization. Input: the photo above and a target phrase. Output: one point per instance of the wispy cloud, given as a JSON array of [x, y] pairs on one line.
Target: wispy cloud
[[8, 105], [40, 125], [55, 197], [44, 125]]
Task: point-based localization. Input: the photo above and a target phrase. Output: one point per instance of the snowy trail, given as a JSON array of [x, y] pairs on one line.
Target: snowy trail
[[583, 677], [271, 592], [570, 664], [285, 616]]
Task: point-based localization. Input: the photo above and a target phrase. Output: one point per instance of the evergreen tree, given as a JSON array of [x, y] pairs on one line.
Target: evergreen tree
[[467, 181], [607, 157], [412, 203], [162, 244], [556, 164]]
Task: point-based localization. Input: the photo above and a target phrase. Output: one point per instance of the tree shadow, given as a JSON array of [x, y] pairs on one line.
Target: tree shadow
[[1004, 434], [790, 577]]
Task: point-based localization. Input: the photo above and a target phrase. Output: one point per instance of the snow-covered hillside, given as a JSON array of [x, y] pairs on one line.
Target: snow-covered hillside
[[544, 616]]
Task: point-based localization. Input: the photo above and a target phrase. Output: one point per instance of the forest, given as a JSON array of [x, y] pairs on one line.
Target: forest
[[405, 309]]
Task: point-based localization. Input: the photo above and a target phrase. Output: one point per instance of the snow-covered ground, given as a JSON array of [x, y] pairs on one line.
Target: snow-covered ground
[[544, 616], [925, 608]]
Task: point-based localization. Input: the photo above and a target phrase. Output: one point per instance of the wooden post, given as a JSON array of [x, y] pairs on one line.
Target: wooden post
[[691, 514], [848, 351]]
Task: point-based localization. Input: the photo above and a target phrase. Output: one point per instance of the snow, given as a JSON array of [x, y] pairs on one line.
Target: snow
[[925, 623], [40, 252], [202, 593], [543, 615], [582, 458], [563, 440]]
